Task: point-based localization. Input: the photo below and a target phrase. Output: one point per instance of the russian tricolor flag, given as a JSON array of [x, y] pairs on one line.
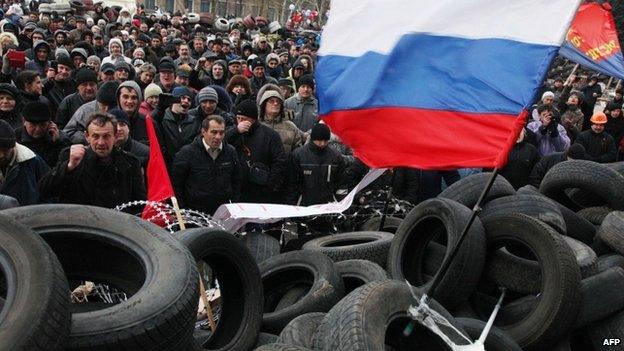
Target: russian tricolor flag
[[435, 84]]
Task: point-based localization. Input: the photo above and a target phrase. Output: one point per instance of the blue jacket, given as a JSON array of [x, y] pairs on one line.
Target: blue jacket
[[22, 178]]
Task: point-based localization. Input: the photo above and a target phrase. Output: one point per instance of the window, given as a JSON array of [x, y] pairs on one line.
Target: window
[[254, 10], [204, 6], [169, 6], [150, 4], [189, 5]]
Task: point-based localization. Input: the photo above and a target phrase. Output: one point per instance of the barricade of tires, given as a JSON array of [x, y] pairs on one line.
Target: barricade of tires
[[558, 251]]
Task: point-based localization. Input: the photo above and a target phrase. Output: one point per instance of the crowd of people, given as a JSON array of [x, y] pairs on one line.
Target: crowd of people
[[234, 112]]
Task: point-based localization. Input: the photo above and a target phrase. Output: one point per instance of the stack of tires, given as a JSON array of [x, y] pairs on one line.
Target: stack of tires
[[47, 250], [557, 250]]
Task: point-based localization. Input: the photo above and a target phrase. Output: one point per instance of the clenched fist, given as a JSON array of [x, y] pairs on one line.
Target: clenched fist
[[76, 154]]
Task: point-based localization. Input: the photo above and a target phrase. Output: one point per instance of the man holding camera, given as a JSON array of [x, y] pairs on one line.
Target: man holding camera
[[549, 134], [40, 134]]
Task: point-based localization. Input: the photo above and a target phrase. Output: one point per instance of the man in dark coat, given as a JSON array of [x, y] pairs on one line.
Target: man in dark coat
[[129, 97], [86, 81], [261, 153], [207, 173], [40, 134], [520, 162], [592, 91], [259, 78], [176, 126], [314, 171], [599, 145], [98, 174], [64, 85], [125, 142], [20, 168]]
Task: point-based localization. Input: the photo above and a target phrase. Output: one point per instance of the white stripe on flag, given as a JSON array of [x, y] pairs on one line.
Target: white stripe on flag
[[359, 26]]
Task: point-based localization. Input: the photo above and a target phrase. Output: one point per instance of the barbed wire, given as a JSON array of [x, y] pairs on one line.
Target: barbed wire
[[368, 204]]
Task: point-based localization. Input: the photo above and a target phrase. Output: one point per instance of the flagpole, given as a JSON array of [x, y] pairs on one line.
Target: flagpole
[[619, 84], [447, 262], [571, 74], [609, 83], [202, 288]]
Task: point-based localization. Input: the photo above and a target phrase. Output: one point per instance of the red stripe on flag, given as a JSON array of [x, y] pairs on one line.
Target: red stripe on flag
[[427, 139]]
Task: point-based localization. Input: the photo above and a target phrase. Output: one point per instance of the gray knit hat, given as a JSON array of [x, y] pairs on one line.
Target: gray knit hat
[[207, 93]]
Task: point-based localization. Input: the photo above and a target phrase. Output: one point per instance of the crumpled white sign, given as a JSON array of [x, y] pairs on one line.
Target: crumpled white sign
[[234, 216]]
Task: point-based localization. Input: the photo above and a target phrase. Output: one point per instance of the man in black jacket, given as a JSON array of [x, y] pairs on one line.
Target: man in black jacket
[[520, 162], [98, 174], [125, 142], [314, 171], [86, 81], [40, 134], [176, 126], [599, 145], [207, 173], [64, 85], [262, 155]]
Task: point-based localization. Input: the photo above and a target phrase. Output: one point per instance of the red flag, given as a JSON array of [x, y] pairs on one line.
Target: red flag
[[158, 183], [592, 40]]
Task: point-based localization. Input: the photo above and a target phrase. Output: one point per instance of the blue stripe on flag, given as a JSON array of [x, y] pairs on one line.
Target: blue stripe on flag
[[438, 73]]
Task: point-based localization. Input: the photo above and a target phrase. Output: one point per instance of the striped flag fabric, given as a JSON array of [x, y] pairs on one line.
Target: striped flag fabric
[[435, 84]]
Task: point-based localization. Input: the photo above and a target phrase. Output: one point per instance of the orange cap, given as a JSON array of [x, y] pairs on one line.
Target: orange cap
[[599, 118]]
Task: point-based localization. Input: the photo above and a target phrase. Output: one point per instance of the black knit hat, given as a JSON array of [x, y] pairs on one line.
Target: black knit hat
[[7, 135], [306, 79], [320, 131], [36, 112], [247, 108], [257, 62], [107, 94], [65, 61], [7, 88], [85, 75]]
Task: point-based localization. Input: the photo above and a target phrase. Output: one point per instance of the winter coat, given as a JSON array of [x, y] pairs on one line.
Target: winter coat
[[46, 149], [259, 149], [306, 111], [203, 184], [68, 106], [138, 150], [77, 125], [175, 131], [22, 177], [548, 142], [615, 128], [93, 183], [13, 117], [59, 92], [257, 83], [520, 162], [313, 175], [599, 147], [290, 135]]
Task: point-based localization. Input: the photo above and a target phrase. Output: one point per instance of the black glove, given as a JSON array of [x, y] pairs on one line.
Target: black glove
[[554, 131], [543, 130], [165, 100]]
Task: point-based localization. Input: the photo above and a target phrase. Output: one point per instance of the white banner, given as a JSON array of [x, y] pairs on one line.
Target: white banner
[[235, 216]]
